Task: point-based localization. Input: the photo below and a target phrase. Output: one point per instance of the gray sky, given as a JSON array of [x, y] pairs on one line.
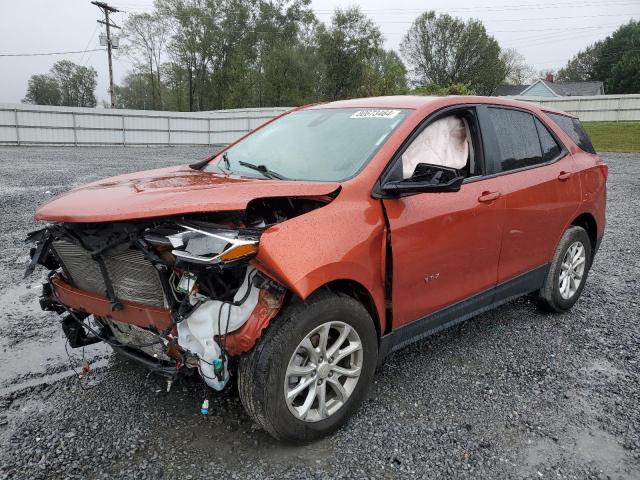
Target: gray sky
[[547, 33]]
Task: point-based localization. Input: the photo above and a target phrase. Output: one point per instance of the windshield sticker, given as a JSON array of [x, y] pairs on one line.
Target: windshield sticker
[[375, 114]]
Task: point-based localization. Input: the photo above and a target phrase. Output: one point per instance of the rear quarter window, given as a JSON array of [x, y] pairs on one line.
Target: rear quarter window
[[574, 129]]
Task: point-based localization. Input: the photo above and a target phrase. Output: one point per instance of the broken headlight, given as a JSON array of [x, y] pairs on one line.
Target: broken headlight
[[211, 247]]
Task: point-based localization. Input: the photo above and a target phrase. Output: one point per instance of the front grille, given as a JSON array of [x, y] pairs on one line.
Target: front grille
[[133, 277]]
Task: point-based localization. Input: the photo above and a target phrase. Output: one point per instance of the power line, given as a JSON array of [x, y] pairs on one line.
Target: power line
[[48, 53], [82, 58]]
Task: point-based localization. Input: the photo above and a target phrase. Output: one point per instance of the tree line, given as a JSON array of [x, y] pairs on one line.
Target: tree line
[[217, 54], [192, 55], [614, 61]]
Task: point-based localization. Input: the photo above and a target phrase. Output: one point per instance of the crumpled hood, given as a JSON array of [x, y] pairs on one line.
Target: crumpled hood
[[166, 192]]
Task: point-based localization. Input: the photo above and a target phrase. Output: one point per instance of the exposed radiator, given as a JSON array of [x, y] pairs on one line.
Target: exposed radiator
[[134, 278]]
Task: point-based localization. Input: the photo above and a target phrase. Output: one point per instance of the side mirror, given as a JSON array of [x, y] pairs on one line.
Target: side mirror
[[427, 178]]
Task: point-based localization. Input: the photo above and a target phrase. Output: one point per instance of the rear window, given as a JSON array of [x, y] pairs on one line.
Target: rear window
[[517, 138], [575, 130]]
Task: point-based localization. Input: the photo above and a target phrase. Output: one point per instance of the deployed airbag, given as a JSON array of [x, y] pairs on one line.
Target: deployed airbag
[[445, 142]]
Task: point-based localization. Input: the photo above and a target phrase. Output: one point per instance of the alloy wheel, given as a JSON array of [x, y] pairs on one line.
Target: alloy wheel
[[323, 371], [572, 270]]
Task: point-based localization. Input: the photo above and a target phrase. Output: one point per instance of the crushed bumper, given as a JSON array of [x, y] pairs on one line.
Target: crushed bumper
[[159, 319], [144, 316]]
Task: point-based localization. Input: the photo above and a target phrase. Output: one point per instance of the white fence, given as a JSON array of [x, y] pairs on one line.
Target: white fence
[[598, 108], [37, 124]]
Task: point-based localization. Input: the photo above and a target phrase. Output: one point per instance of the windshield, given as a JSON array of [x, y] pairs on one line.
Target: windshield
[[319, 144]]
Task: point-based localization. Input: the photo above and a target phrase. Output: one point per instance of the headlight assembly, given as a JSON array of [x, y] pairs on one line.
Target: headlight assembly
[[211, 247]]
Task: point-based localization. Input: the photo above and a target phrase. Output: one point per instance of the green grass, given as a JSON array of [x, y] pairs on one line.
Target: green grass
[[614, 136]]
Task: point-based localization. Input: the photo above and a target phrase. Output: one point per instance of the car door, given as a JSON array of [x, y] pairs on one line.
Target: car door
[[538, 184], [445, 246]]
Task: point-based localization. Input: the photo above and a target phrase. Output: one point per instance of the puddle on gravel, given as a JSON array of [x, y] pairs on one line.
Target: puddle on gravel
[[20, 299], [596, 448], [49, 378], [39, 347]]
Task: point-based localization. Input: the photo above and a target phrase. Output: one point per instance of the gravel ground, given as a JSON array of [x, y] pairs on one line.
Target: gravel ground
[[514, 393]]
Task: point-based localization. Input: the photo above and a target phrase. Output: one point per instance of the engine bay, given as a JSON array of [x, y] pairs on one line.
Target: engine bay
[[179, 294]]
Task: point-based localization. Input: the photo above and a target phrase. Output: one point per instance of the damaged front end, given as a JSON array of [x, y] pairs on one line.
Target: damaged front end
[[178, 294]]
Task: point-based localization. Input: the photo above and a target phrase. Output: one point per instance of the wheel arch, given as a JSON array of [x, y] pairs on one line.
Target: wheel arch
[[588, 222], [359, 292]]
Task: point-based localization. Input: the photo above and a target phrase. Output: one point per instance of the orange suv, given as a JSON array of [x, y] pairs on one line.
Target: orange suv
[[300, 256]]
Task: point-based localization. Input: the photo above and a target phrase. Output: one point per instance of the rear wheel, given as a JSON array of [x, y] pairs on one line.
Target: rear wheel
[[312, 368], [568, 272]]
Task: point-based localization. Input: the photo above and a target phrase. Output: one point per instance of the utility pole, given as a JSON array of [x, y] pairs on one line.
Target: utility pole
[[108, 9]]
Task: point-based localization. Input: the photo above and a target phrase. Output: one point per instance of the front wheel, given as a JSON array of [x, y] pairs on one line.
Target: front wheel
[[568, 272], [312, 368]]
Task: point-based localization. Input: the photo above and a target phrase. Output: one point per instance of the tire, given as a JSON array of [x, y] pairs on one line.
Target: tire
[[262, 372], [551, 296]]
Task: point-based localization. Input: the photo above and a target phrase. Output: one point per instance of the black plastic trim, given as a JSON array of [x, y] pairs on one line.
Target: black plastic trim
[[459, 312], [154, 365]]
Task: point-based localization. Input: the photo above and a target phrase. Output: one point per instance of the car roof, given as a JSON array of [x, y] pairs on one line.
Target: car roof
[[395, 101], [418, 101]]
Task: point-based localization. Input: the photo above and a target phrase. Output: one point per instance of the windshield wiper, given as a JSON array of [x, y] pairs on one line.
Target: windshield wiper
[[263, 170], [225, 159]]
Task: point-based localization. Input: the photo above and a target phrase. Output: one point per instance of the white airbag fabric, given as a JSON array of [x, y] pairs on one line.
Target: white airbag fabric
[[444, 143]]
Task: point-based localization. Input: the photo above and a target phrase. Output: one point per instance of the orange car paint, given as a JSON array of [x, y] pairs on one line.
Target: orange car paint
[[144, 316], [243, 339], [165, 192]]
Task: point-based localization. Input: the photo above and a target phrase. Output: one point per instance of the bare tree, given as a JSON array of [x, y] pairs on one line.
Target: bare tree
[[147, 35], [518, 72]]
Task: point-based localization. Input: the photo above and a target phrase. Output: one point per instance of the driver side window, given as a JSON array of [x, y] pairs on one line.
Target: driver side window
[[445, 142]]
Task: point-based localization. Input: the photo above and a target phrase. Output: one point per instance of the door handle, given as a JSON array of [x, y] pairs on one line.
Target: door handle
[[488, 197], [564, 176]]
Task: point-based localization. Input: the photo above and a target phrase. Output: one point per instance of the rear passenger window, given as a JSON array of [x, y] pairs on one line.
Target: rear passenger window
[[575, 130], [517, 139], [550, 148]]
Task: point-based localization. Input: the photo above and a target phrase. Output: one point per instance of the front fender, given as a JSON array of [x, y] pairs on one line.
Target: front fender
[[344, 240]]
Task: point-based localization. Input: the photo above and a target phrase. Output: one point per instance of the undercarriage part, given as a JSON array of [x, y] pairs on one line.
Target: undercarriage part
[[48, 302], [155, 366], [130, 335], [76, 334]]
